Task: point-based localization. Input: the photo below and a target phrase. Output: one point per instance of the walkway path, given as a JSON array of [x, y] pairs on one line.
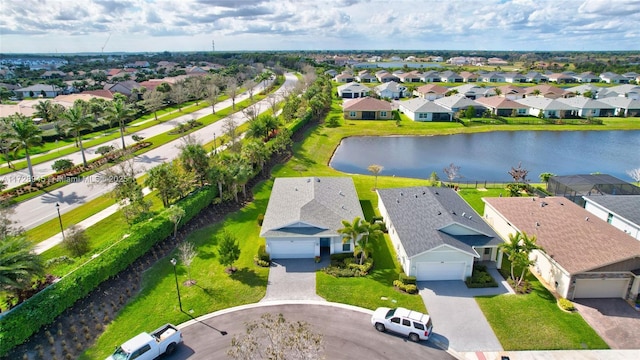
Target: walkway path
[[41, 209]]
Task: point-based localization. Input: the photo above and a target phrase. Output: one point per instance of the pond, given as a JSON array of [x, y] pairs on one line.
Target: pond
[[489, 156]]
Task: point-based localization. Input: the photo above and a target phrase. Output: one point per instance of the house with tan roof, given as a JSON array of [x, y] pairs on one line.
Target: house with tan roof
[[511, 92], [409, 77], [430, 91], [468, 76], [344, 78], [367, 108], [547, 91], [502, 106], [582, 256]]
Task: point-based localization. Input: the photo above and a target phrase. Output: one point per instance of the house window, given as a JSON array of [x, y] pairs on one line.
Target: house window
[[609, 218], [346, 247], [522, 111], [422, 116], [487, 251], [352, 114], [383, 113]]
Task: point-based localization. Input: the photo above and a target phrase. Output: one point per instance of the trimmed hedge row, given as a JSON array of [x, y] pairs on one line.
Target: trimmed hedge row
[[23, 321]]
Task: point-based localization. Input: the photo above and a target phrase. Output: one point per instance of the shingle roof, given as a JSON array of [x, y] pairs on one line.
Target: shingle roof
[[544, 103], [423, 106], [562, 229], [431, 88], [500, 102], [625, 206], [319, 202], [582, 102], [621, 102], [456, 101], [427, 217], [366, 104]]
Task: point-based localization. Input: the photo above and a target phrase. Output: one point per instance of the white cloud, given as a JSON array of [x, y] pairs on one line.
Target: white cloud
[[147, 25]]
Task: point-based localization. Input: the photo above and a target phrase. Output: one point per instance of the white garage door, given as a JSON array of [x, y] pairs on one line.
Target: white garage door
[[296, 249], [600, 288], [430, 271]]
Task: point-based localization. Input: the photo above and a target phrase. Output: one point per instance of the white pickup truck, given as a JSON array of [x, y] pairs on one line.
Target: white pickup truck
[[147, 346]]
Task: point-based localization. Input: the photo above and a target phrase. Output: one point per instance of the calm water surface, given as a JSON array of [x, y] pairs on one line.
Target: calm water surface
[[489, 156]]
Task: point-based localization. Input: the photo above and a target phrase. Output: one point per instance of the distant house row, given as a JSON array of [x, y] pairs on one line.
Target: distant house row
[[448, 76], [432, 104]]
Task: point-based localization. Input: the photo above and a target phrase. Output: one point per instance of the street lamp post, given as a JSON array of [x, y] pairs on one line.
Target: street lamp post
[[215, 145], [175, 274], [60, 221]]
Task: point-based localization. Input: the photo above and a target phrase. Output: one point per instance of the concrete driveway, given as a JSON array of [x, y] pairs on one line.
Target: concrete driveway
[[614, 320], [458, 322], [293, 279], [347, 333]]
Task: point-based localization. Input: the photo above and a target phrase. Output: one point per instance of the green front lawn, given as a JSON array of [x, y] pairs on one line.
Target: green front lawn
[[534, 322], [157, 301]]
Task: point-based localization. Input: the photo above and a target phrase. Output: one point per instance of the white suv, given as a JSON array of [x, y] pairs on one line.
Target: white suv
[[417, 326]]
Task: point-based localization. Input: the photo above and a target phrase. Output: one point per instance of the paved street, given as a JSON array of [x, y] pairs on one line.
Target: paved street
[[347, 334], [40, 209]]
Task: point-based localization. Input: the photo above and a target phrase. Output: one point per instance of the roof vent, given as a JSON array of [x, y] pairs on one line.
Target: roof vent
[[398, 201], [463, 214], [437, 193], [425, 193], [341, 193], [401, 193], [586, 219], [470, 217], [416, 195], [344, 207], [439, 213], [537, 223], [308, 180], [453, 212], [317, 179], [296, 188]]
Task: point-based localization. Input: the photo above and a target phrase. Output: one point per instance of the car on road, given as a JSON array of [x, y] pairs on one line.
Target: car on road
[[145, 346], [412, 324]]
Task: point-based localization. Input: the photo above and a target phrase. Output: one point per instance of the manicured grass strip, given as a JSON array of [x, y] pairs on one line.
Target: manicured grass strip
[[474, 197], [534, 322], [157, 302]]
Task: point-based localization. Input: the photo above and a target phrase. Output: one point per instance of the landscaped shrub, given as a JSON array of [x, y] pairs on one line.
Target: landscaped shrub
[[480, 278], [409, 280], [42, 309], [408, 288], [62, 165], [262, 258], [346, 266], [566, 305], [260, 219]]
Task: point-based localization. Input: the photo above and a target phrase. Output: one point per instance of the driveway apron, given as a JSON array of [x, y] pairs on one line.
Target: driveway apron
[[292, 279], [458, 322], [613, 319]]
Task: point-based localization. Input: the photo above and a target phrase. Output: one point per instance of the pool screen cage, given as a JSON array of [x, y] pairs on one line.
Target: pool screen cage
[[574, 187]]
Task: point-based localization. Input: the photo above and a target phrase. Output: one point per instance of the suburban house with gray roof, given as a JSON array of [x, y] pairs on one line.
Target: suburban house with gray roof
[[353, 90], [549, 108], [436, 235], [582, 256], [304, 214], [621, 211], [622, 105], [587, 107], [391, 90], [457, 102], [419, 109]]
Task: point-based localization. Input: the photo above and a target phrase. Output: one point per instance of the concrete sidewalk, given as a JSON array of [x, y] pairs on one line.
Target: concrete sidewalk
[[552, 355]]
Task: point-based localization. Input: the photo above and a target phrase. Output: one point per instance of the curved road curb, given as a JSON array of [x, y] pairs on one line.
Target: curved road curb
[[435, 340]]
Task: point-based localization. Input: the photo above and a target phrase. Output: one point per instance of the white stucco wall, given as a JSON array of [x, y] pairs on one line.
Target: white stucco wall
[[551, 272], [622, 224], [441, 254]]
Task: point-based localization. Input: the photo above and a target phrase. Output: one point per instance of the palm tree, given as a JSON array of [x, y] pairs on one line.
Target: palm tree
[[48, 110], [370, 231], [26, 134], [352, 231], [119, 112], [7, 145], [97, 107], [19, 263], [518, 249], [76, 120], [194, 158], [256, 152], [375, 169]]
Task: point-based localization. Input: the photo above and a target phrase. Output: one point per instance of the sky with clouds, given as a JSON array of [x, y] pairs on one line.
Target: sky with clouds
[[63, 26]]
